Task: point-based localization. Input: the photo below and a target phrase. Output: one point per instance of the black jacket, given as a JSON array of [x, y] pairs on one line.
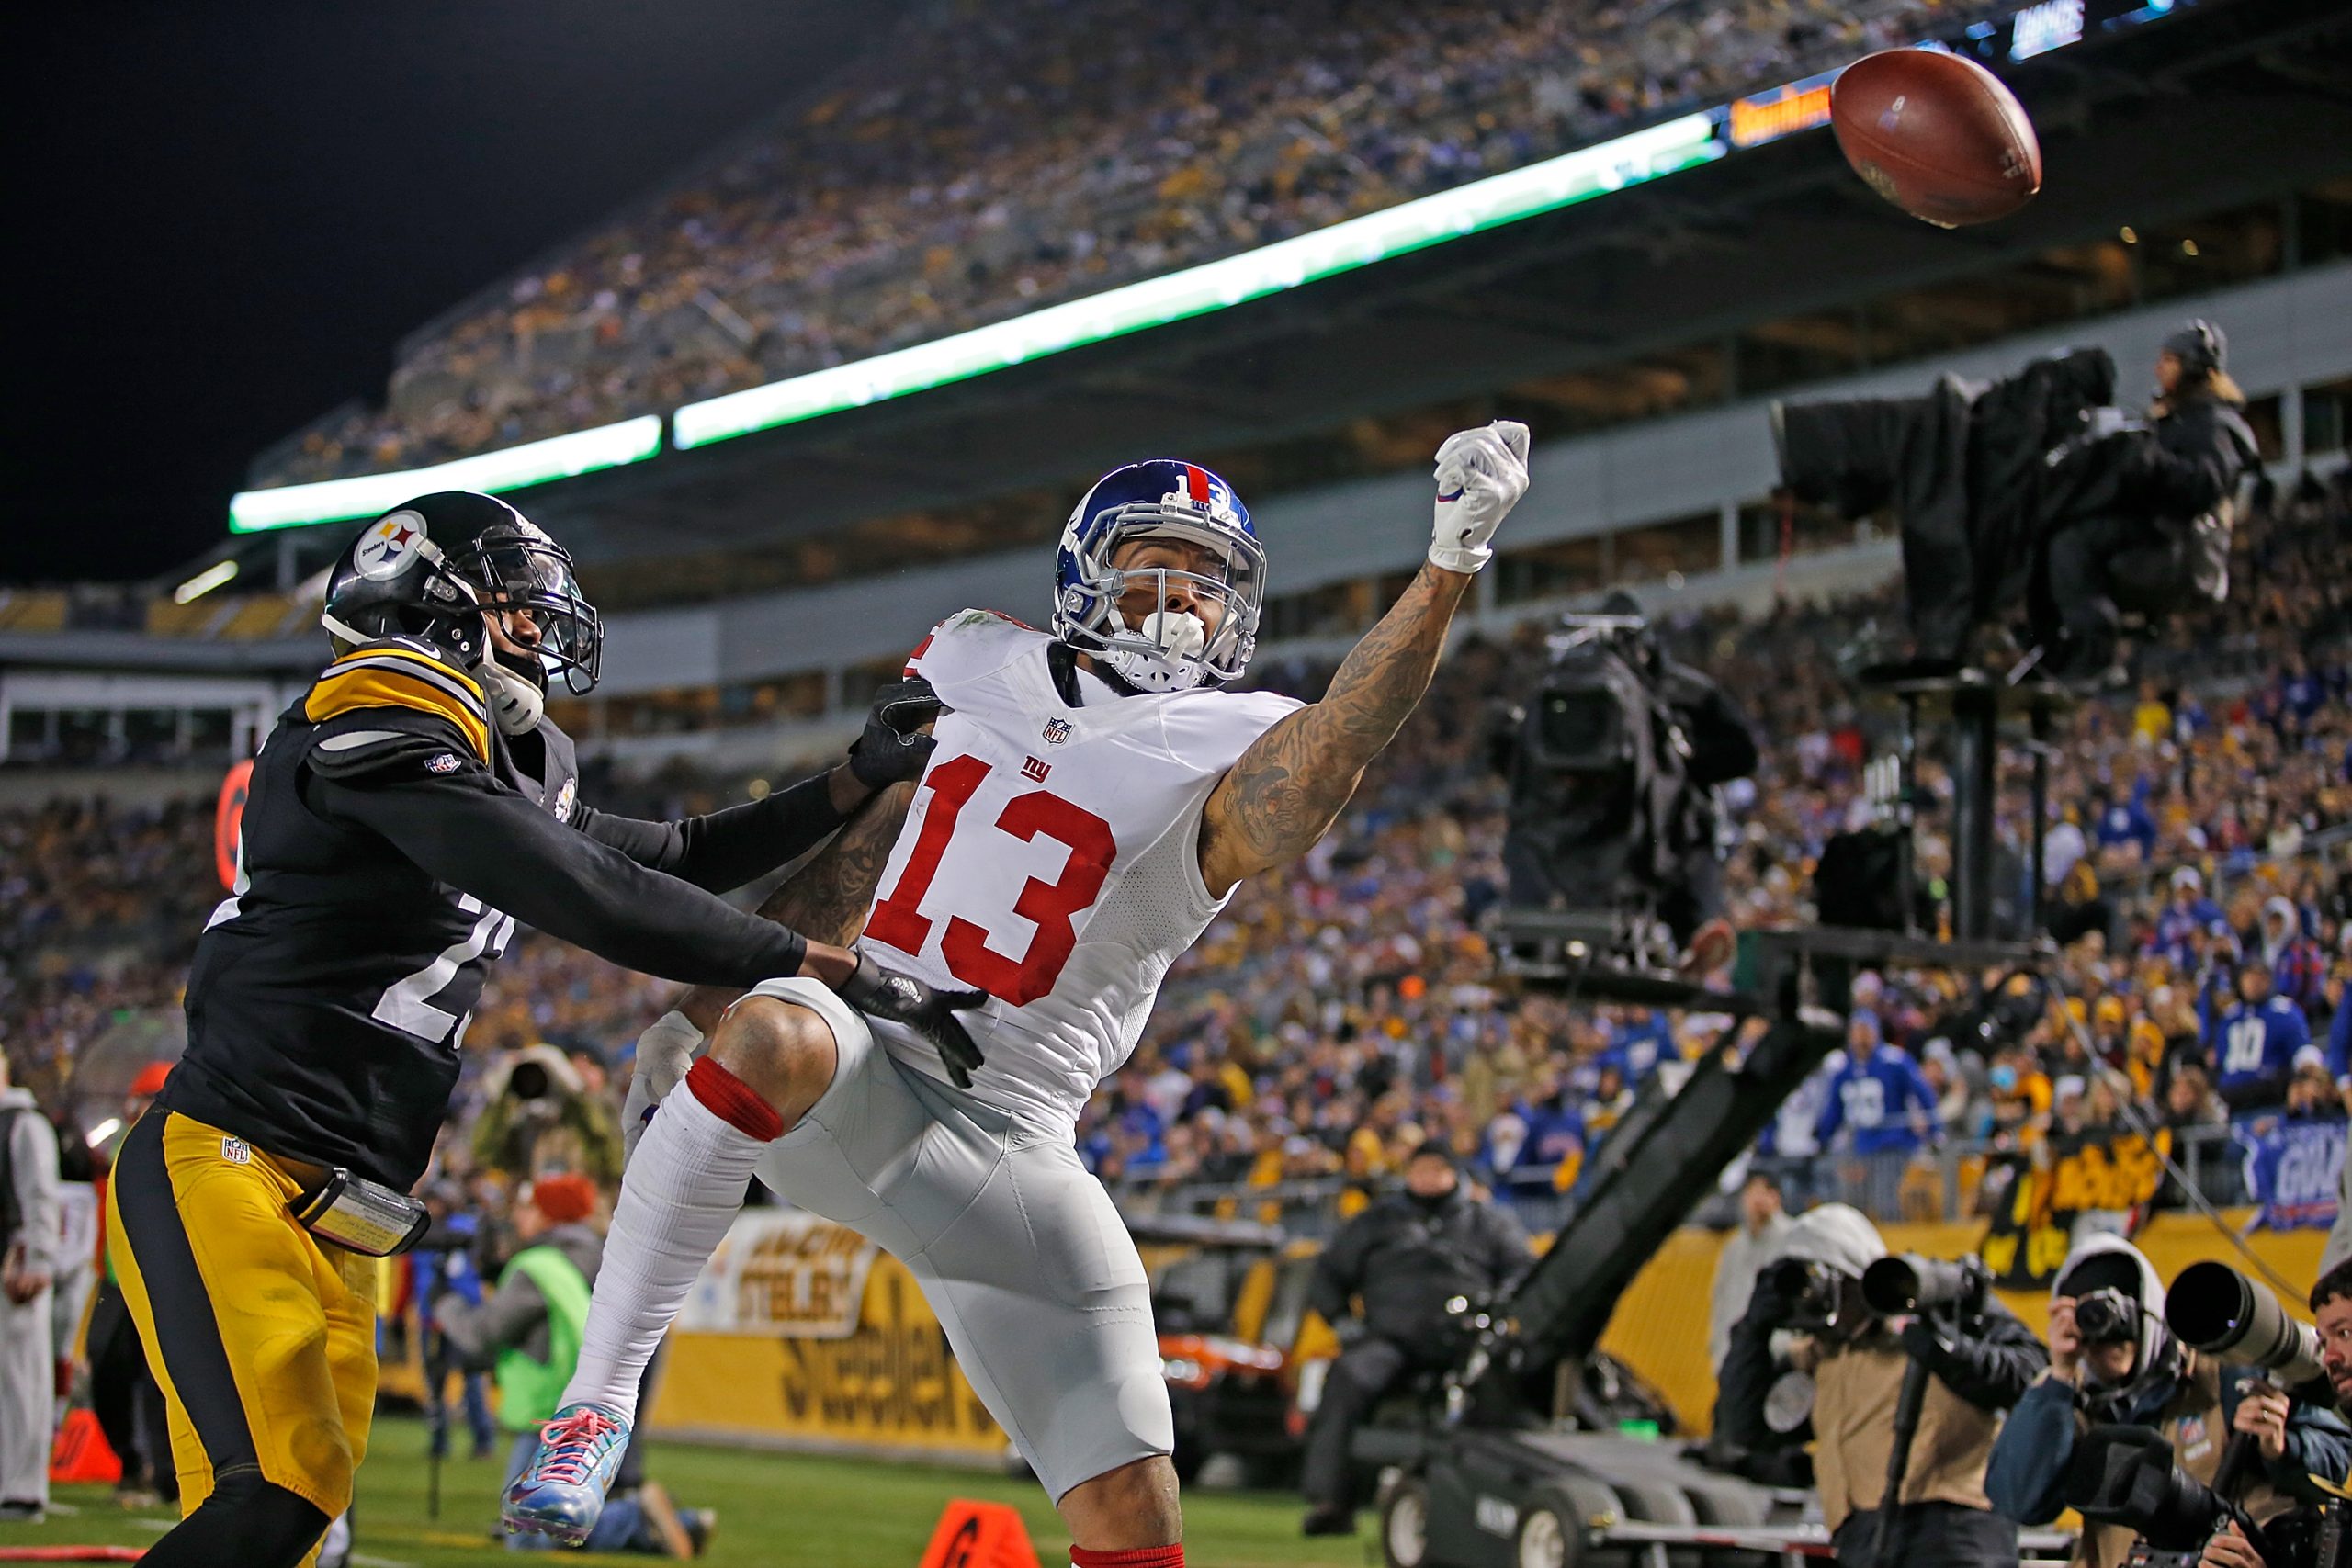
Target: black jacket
[[1406, 1261], [391, 841], [2191, 460]]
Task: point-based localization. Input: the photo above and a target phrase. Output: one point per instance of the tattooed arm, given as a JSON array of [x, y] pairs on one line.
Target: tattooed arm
[[825, 900], [1289, 787], [1292, 784]]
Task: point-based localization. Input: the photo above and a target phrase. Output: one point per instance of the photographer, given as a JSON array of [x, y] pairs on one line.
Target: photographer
[[2113, 1363], [1404, 1257], [1978, 1359], [539, 1113]]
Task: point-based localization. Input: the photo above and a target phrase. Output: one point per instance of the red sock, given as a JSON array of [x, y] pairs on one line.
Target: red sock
[[1135, 1557], [734, 1101]]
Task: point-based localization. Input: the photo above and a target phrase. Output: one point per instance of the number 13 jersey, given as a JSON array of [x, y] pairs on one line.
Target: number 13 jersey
[[1051, 859]]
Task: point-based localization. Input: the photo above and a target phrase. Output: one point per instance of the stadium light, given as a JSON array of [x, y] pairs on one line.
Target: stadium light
[[204, 581], [533, 463], [1213, 285]]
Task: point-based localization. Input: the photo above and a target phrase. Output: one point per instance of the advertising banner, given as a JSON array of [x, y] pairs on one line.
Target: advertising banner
[[783, 1274], [2292, 1168], [803, 1334], [2037, 1200]]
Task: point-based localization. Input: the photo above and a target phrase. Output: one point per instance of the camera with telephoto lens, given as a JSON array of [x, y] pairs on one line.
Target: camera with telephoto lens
[[1909, 1284], [2215, 1309], [2107, 1317], [1813, 1298]]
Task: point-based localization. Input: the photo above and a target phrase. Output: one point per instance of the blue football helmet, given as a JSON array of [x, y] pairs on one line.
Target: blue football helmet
[[1172, 651]]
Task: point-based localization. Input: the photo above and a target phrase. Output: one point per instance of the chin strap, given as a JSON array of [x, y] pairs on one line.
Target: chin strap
[[514, 702]]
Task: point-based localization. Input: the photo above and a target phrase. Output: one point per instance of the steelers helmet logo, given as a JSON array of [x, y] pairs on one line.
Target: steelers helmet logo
[[388, 546]]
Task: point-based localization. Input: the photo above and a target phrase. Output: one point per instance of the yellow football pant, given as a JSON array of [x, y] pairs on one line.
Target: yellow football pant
[[263, 1336]]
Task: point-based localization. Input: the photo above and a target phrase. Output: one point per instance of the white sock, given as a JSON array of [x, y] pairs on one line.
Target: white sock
[[681, 1190]]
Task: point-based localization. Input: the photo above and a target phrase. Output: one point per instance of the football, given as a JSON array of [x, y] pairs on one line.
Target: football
[[1936, 135]]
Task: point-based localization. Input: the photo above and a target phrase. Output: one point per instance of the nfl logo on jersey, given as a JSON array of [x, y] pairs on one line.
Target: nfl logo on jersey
[[1056, 731]]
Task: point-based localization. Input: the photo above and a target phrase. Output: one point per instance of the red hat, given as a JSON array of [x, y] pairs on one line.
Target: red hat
[[149, 1081], [564, 1198]]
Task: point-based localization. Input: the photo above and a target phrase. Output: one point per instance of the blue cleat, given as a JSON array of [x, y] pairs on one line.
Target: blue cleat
[[561, 1491]]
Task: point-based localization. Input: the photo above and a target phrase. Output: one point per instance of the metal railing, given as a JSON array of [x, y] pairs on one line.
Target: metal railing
[[1943, 1181]]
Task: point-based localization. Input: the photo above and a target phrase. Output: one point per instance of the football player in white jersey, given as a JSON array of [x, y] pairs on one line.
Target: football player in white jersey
[[1093, 799]]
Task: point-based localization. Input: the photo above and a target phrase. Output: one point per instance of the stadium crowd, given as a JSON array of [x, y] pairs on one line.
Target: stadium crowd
[[1336, 1017], [908, 202]]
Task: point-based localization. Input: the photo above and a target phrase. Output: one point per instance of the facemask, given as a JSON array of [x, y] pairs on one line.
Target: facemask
[[1178, 637]]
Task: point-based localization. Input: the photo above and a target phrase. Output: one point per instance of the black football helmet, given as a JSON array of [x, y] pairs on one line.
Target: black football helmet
[[431, 567]]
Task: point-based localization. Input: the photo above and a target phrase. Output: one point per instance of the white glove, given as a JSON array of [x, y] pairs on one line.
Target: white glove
[[2101, 423], [664, 1051], [1481, 474]]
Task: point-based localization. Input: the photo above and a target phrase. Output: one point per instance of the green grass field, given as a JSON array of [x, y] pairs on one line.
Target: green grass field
[[784, 1510]]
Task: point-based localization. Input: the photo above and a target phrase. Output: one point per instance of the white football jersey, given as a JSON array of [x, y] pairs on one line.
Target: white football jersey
[[1051, 860]]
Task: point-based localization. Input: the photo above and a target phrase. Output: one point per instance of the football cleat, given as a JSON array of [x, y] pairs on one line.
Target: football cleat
[[561, 1492]]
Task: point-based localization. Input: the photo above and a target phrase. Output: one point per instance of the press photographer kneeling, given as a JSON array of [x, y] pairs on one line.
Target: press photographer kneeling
[[1910, 1374], [2127, 1406]]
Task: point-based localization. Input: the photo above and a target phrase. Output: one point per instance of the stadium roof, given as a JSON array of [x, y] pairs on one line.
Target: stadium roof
[[1517, 275]]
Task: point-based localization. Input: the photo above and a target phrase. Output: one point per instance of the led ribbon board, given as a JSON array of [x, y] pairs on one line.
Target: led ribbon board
[[1212, 286], [512, 467]]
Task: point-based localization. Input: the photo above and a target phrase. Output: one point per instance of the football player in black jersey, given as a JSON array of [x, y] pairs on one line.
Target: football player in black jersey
[[404, 816]]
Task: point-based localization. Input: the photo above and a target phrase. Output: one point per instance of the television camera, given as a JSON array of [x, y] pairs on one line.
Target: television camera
[[1611, 764]]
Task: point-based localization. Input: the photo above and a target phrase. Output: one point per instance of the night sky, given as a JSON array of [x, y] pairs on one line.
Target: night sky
[[225, 216]]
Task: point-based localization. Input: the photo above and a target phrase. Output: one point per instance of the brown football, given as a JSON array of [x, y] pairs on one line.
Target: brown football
[[1936, 135]]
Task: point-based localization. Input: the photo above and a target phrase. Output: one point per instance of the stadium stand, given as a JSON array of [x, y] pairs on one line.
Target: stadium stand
[[905, 202], [1336, 1017]]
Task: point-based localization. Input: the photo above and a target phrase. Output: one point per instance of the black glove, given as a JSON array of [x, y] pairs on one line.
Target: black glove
[[1349, 1332], [901, 998], [894, 746]]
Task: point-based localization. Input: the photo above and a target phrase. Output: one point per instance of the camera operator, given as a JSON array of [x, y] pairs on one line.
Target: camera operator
[[1978, 1360], [2166, 536], [2113, 1363], [1405, 1257]]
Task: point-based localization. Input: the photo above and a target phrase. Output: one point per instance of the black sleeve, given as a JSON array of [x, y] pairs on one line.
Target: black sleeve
[[1510, 1255], [727, 848], [1340, 1271], [1745, 1378], [1990, 1362], [464, 828]]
